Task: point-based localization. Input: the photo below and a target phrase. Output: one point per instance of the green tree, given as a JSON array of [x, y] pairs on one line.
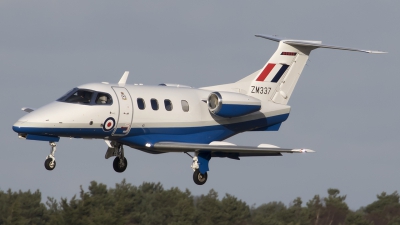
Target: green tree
[[385, 210], [296, 214], [332, 210], [316, 210], [208, 209], [272, 213], [357, 218], [150, 203], [54, 212], [22, 208], [94, 207], [336, 207], [234, 211]]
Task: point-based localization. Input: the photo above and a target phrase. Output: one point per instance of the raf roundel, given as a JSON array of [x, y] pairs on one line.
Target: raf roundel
[[109, 124]]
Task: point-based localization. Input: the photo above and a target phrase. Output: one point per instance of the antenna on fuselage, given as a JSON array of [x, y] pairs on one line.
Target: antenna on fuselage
[[123, 79]]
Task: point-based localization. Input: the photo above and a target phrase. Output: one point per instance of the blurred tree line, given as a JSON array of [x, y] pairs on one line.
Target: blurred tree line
[[150, 203]]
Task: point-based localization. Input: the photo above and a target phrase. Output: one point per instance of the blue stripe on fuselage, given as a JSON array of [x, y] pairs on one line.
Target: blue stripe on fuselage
[[141, 136]]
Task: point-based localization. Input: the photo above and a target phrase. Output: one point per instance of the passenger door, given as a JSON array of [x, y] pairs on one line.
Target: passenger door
[[125, 112]]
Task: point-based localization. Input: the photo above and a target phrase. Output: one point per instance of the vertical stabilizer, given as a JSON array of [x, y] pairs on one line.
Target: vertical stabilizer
[[277, 79]]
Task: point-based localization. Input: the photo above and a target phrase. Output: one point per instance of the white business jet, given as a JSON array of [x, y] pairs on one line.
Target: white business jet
[[177, 118]]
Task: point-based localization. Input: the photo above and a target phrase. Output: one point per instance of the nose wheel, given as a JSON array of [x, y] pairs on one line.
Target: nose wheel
[[50, 162]]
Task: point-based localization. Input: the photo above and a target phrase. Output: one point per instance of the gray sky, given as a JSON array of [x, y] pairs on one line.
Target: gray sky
[[345, 105]]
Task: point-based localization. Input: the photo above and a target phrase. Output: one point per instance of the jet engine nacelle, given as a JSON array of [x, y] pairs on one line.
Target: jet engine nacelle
[[229, 104]]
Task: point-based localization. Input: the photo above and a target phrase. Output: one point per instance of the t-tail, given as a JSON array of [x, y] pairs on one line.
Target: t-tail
[[278, 78]]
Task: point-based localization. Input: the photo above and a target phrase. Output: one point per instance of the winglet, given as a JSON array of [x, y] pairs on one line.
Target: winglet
[[123, 79]]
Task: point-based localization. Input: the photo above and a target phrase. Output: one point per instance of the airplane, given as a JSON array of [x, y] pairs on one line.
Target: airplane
[[177, 118]]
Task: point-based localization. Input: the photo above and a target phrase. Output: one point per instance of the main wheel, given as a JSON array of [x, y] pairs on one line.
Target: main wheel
[[199, 178], [117, 167], [49, 164]]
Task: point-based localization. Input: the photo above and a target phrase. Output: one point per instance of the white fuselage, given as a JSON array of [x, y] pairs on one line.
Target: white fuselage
[[182, 115]]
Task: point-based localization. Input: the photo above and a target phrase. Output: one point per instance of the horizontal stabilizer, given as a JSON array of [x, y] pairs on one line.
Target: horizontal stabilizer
[[315, 44]]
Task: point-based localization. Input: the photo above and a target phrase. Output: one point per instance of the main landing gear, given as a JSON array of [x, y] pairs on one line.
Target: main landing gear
[[199, 177], [120, 163], [50, 162]]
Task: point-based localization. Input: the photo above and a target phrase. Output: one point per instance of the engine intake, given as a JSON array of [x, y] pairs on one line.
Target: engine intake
[[229, 104]]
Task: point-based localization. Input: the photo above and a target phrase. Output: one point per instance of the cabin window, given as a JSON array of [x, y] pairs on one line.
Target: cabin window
[[103, 99], [154, 104], [141, 104], [185, 105], [81, 97], [168, 104]]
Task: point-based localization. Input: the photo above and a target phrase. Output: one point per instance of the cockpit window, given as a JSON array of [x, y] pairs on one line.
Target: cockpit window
[[86, 97], [103, 99], [81, 97]]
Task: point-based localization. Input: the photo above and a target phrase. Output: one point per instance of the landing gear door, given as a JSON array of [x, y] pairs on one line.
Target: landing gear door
[[125, 112]]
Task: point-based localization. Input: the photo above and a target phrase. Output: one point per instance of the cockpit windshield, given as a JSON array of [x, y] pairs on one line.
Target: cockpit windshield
[[80, 96], [67, 94], [86, 97]]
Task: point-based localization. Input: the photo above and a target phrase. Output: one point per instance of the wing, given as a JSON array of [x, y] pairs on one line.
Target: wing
[[226, 150]]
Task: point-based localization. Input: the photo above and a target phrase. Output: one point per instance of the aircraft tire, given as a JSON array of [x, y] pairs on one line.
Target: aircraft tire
[[199, 178], [48, 165], [116, 166]]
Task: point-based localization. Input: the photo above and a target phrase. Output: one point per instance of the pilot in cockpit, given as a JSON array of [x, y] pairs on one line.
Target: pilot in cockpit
[[101, 99]]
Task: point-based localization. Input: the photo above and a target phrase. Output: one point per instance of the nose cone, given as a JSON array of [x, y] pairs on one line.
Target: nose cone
[[64, 120], [26, 124], [34, 121], [18, 127]]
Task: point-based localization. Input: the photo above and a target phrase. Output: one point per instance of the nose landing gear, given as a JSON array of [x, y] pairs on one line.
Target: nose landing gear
[[50, 162]]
